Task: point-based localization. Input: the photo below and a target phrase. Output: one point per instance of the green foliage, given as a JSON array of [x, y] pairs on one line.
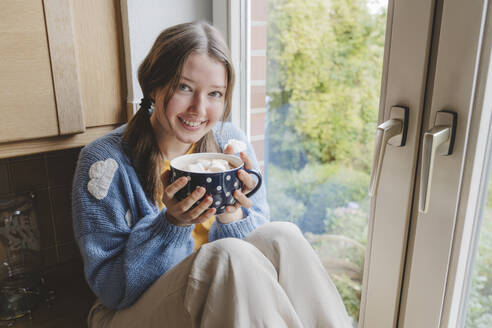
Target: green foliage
[[350, 222], [489, 195], [350, 294], [324, 72], [283, 206], [303, 196], [479, 312], [325, 60], [286, 149]]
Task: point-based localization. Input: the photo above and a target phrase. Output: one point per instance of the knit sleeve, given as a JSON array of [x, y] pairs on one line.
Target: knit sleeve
[[123, 255], [256, 215]]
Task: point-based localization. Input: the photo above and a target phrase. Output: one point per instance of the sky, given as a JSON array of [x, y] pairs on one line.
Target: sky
[[375, 5]]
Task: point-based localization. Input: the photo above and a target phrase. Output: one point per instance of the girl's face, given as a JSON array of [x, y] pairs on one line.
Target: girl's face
[[197, 104]]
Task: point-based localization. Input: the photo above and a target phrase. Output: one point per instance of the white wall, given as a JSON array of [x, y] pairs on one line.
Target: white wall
[[143, 20]]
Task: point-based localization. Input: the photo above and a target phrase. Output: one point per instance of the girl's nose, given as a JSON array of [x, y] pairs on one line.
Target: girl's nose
[[199, 103]]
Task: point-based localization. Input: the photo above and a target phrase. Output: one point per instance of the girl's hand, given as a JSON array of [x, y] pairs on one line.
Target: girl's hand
[[180, 213], [234, 212]]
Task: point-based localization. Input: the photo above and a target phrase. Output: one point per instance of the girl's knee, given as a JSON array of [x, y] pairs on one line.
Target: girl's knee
[[279, 231], [230, 246], [233, 252]]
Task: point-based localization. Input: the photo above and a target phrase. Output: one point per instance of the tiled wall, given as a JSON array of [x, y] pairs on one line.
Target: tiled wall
[[258, 77], [49, 176]]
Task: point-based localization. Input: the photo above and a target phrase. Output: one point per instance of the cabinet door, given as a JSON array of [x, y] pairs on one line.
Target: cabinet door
[[97, 26], [27, 106], [61, 69]]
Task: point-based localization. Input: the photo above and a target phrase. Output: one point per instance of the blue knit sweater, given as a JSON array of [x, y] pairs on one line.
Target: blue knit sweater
[[125, 241]]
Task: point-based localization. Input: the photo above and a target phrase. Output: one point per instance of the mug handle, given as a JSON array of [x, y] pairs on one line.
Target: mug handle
[[258, 185]]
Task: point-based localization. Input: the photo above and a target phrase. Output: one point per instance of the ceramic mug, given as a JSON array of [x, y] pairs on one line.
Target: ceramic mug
[[220, 185]]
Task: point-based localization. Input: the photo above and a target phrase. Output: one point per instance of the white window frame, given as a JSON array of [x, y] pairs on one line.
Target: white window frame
[[442, 239], [232, 18], [474, 191]]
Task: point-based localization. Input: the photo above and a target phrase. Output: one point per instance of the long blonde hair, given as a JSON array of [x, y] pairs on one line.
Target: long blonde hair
[[162, 68]]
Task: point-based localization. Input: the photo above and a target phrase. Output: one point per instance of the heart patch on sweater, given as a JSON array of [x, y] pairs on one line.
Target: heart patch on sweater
[[101, 174]]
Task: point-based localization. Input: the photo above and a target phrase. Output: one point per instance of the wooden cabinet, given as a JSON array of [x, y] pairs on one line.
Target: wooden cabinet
[[61, 73]]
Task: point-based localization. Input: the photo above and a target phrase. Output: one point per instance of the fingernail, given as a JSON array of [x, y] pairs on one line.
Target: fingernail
[[230, 209]]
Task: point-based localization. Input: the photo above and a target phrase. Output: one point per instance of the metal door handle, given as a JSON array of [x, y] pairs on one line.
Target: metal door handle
[[441, 137], [393, 132]]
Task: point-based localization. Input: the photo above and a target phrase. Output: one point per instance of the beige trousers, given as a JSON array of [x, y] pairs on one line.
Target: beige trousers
[[273, 278]]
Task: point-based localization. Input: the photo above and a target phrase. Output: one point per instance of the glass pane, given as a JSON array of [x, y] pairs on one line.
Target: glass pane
[[479, 307], [315, 83]]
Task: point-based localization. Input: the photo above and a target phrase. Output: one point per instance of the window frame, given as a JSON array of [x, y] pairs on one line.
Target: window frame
[[232, 18], [472, 199]]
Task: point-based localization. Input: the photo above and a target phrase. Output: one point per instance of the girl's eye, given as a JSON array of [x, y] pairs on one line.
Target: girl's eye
[[216, 94], [184, 87]]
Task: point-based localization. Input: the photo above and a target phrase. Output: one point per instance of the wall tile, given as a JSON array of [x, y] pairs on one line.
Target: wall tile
[[50, 176], [259, 37], [258, 122], [4, 179], [43, 210], [259, 147], [61, 166], [28, 174], [61, 203], [259, 10], [258, 97], [49, 257], [258, 67], [68, 252]]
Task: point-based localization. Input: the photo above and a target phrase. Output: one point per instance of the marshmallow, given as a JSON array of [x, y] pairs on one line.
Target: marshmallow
[[216, 167], [196, 167], [237, 145], [219, 165], [213, 166], [205, 163], [222, 162]]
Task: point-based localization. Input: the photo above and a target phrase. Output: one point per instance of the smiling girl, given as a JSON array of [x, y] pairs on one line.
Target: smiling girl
[[154, 261]]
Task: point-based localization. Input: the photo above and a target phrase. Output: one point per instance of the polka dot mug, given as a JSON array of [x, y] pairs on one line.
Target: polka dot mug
[[220, 185]]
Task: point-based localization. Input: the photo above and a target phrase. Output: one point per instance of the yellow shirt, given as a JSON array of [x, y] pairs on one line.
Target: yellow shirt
[[200, 232]]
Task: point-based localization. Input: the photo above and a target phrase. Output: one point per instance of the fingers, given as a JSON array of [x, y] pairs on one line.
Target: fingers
[[233, 208], [188, 202], [229, 150], [201, 207], [205, 216], [248, 164], [242, 200], [171, 190], [247, 180]]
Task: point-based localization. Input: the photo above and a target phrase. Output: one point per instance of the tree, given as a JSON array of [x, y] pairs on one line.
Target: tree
[[325, 61]]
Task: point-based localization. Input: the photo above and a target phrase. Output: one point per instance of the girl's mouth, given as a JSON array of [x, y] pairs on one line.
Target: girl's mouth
[[191, 125]]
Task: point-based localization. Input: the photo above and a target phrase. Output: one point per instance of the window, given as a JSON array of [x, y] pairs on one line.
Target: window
[[323, 74], [479, 302], [315, 78]]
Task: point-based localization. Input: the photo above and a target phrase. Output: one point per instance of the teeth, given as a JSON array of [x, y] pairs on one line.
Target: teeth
[[193, 124]]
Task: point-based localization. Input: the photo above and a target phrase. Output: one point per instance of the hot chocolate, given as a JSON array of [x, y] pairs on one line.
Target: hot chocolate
[[209, 166]]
